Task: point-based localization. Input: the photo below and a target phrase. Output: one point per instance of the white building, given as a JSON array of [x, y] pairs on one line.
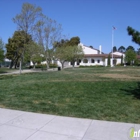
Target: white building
[[94, 57]]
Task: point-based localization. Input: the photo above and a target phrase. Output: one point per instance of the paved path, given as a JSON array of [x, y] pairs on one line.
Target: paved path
[[27, 71], [19, 125]]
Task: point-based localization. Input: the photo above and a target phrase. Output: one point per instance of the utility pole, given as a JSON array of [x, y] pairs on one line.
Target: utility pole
[[113, 28]]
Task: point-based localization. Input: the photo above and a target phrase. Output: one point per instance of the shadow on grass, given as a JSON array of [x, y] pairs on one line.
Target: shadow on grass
[[1, 72], [134, 91]]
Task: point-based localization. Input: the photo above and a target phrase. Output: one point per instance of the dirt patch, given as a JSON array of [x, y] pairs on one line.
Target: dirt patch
[[118, 76], [2, 106], [35, 102], [116, 70]]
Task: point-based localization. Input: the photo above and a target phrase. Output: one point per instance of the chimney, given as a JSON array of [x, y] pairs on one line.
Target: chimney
[[100, 49]]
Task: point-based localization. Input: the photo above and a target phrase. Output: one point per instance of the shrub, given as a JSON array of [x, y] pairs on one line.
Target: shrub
[[119, 64], [91, 66], [53, 65]]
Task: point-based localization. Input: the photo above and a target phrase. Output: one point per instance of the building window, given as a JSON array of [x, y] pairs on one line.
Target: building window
[[92, 61], [98, 61], [85, 61]]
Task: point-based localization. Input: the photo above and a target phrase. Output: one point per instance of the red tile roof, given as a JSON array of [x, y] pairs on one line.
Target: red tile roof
[[102, 55]]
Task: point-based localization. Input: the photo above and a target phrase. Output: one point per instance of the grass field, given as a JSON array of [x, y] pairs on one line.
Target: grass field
[[98, 93]]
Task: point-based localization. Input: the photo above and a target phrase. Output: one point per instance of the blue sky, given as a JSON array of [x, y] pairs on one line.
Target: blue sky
[[91, 20]]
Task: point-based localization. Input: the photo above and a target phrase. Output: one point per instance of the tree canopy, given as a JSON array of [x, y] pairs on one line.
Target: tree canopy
[[130, 48], [28, 18], [73, 41], [121, 49], [114, 49], [130, 56], [134, 34], [44, 30], [34, 53], [69, 50], [17, 46]]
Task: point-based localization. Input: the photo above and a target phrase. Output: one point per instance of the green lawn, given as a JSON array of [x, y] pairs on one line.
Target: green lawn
[[98, 93]]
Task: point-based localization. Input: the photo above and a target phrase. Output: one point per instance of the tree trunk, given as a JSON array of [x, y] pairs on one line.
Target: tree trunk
[[34, 65], [11, 64], [62, 63], [73, 64], [47, 65], [16, 64], [20, 67]]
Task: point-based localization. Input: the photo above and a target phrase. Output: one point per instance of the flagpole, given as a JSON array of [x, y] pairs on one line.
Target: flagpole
[[112, 44]]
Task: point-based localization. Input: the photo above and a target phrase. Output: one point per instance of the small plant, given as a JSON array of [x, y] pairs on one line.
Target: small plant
[[119, 64], [53, 65]]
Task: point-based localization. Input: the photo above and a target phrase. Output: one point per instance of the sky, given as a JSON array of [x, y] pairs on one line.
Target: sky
[[91, 20]]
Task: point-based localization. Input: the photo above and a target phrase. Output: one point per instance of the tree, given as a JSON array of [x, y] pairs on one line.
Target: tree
[[121, 49], [114, 49], [60, 43], [52, 33], [74, 53], [108, 62], [48, 32], [16, 47], [68, 50], [130, 56], [60, 51], [91, 47], [61, 54], [130, 48], [122, 60], [28, 18], [1, 50], [134, 34], [34, 52], [44, 30], [73, 41], [27, 21], [138, 51]]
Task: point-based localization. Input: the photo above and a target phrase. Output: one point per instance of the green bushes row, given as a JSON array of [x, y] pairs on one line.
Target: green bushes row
[[43, 66], [91, 66]]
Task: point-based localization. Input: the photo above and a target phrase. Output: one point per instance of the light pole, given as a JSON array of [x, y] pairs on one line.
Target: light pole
[[113, 28]]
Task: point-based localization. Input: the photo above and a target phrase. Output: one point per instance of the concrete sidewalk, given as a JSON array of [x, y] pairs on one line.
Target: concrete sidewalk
[[27, 71], [19, 125]]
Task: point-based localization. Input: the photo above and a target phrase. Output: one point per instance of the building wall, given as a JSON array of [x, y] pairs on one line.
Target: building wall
[[88, 50], [89, 63], [103, 62], [120, 54]]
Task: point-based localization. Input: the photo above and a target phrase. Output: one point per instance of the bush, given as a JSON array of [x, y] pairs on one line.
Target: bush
[[119, 64], [43, 66], [53, 65], [91, 66], [40, 66]]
